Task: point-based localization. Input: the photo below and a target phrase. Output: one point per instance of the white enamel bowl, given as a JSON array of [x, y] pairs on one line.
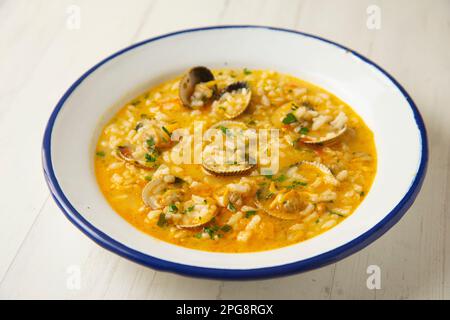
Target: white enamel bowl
[[74, 126]]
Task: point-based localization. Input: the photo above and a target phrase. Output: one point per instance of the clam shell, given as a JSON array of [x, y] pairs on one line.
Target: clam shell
[[280, 214], [149, 193], [282, 111], [227, 169], [125, 153], [325, 140], [283, 215], [233, 89], [193, 77]]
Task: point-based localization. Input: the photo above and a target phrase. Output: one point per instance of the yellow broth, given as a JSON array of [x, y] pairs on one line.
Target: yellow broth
[[243, 226]]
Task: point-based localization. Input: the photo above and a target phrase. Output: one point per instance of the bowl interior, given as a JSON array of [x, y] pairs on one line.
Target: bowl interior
[[107, 87]]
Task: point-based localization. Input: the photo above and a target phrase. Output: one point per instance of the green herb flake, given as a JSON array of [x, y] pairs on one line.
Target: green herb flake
[[211, 231], [250, 213], [281, 178], [223, 129], [226, 228], [296, 184], [173, 208], [198, 235], [290, 118], [247, 71], [303, 130], [148, 178], [162, 222], [231, 207], [100, 154], [149, 158], [166, 131], [150, 143]]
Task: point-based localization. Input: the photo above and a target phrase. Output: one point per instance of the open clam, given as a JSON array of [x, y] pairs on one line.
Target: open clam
[[234, 100], [150, 139], [197, 87], [163, 189], [126, 154], [328, 138], [152, 134], [311, 126], [230, 157], [287, 196]]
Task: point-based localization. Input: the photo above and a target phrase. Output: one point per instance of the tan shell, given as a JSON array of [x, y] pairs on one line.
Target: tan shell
[[227, 169], [295, 196], [280, 113], [125, 153], [281, 214], [330, 138], [193, 77], [234, 89], [201, 214]]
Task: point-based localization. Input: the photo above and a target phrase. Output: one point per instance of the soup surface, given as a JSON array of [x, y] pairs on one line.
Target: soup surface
[[296, 160]]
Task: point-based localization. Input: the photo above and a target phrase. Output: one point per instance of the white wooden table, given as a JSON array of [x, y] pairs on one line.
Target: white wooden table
[[43, 50]]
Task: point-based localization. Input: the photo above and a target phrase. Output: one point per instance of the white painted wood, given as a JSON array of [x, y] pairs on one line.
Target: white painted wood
[[40, 57]]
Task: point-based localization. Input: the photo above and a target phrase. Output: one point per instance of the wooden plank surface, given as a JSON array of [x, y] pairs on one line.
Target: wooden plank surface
[[41, 55]]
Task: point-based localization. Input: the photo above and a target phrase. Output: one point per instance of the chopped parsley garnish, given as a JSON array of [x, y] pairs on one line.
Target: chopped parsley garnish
[[296, 184], [231, 207], [166, 131], [226, 228], [198, 235], [173, 208], [138, 126], [100, 154], [247, 71], [223, 129], [250, 213], [362, 194], [150, 143], [189, 209], [211, 231], [280, 178], [162, 220], [149, 158], [148, 178], [290, 118], [303, 130]]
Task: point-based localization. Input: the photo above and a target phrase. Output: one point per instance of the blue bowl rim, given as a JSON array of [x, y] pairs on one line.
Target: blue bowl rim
[[234, 274]]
